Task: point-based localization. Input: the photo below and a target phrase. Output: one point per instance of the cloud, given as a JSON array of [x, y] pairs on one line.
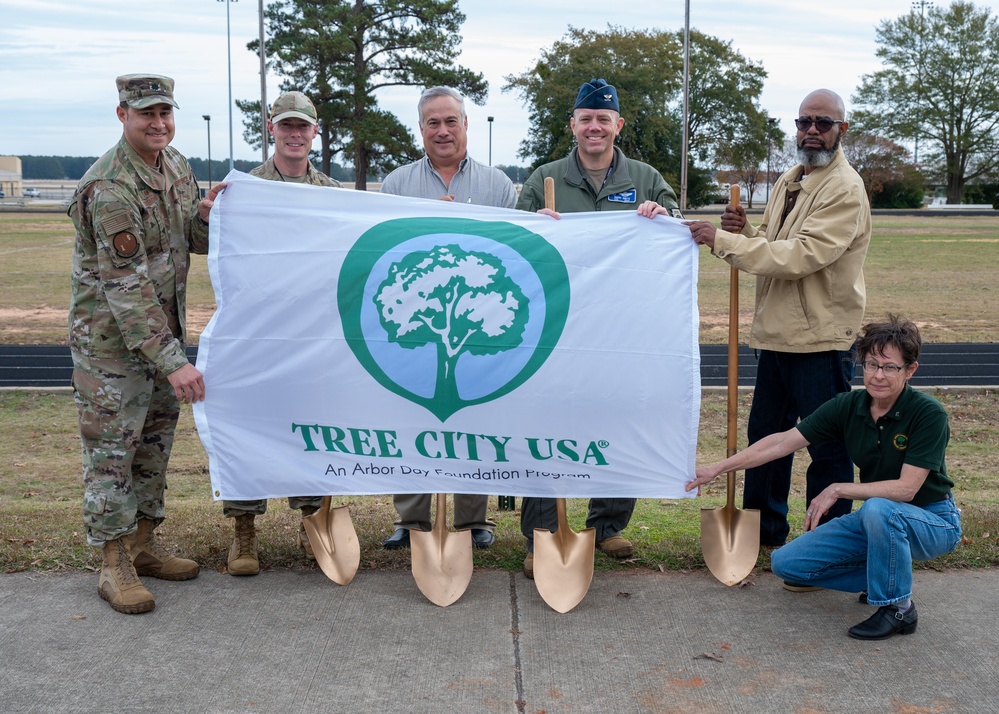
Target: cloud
[[58, 61]]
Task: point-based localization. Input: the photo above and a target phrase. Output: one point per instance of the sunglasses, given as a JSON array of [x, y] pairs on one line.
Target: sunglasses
[[823, 124]]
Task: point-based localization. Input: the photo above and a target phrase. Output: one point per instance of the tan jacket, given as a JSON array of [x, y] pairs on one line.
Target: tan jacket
[[810, 292]]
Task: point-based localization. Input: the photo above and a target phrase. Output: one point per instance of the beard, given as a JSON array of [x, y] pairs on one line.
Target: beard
[[817, 158]]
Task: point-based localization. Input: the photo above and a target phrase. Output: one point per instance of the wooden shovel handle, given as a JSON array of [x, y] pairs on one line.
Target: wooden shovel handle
[[733, 346], [733, 363], [550, 193], [563, 521]]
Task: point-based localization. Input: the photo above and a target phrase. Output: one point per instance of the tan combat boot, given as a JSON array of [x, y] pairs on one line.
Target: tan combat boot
[[119, 584], [616, 547], [243, 551], [150, 558]]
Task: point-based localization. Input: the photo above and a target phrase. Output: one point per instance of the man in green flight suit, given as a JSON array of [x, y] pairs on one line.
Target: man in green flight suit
[[595, 176]]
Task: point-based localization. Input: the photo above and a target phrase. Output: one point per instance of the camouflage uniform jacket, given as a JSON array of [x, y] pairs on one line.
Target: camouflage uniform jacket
[[269, 171], [135, 228]]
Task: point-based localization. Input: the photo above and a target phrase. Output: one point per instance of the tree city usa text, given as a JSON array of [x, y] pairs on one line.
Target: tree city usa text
[[450, 445]]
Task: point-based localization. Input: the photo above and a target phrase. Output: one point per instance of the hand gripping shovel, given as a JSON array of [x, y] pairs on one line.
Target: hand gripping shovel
[[334, 541], [442, 561], [563, 560], [730, 538]]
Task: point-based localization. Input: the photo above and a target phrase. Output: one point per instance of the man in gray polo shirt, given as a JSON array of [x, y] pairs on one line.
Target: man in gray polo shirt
[[447, 173]]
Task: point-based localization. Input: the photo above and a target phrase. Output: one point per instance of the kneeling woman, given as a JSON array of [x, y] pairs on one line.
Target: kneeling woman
[[897, 437]]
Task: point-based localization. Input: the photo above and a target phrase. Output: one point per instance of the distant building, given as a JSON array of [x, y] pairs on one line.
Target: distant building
[[10, 176]]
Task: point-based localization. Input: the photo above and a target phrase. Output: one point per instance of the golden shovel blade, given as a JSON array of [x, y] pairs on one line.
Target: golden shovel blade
[[563, 562], [730, 542], [442, 561], [334, 542]]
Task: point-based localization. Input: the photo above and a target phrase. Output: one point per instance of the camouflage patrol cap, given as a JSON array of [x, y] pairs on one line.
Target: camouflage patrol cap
[[145, 90], [294, 105]]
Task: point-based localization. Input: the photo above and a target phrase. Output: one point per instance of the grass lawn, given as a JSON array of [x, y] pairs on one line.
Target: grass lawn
[[40, 489], [938, 270]]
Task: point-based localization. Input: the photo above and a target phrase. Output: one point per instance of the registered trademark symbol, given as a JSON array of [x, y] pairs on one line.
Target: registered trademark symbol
[[603, 444]]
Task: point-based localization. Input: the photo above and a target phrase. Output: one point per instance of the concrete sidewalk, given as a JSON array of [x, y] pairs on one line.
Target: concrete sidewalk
[[292, 641]]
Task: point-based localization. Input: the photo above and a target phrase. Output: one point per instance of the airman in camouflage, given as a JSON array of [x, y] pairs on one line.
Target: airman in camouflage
[[293, 124], [137, 216]]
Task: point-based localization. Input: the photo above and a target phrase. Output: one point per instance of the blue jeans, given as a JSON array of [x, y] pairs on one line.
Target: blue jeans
[[789, 387], [871, 549]]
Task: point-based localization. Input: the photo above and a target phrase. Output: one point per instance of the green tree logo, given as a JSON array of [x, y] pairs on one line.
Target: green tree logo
[[456, 300], [452, 312]]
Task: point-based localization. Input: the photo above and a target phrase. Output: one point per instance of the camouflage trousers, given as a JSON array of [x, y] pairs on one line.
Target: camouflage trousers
[[231, 509], [128, 415]]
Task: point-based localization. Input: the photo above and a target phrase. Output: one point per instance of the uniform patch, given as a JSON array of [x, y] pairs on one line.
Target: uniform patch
[[116, 223], [623, 196], [125, 244], [900, 441], [675, 212]]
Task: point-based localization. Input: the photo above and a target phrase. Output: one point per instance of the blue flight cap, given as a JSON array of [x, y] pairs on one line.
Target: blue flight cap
[[597, 94]]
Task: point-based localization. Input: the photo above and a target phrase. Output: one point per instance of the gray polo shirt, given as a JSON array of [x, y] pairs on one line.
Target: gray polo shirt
[[474, 183]]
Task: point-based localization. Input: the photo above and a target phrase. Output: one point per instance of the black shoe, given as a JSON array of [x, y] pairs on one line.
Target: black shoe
[[862, 598], [799, 587], [886, 622], [482, 538], [399, 539]]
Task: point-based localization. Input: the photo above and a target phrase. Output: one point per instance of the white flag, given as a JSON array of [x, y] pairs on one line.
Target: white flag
[[372, 344]]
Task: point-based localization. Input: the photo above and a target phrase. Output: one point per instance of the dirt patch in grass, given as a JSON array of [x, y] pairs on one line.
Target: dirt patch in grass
[[938, 270], [39, 325]]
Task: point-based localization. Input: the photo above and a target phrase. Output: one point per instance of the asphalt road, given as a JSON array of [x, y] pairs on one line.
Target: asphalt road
[[940, 365]]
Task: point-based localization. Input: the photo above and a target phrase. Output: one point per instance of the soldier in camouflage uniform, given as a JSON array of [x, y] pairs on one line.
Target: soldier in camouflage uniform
[[293, 124], [137, 217]]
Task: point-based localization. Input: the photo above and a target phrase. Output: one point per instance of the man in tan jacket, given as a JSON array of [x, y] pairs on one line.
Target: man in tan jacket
[[808, 256]]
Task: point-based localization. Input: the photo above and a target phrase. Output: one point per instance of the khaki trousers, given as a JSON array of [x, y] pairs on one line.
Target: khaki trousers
[[469, 511]]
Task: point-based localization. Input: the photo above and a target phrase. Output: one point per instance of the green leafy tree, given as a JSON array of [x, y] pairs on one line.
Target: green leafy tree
[[891, 181], [250, 109], [754, 144], [457, 300], [982, 192], [46, 167], [938, 86], [341, 52], [646, 67]]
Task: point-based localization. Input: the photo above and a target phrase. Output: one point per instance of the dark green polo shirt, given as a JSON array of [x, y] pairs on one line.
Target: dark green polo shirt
[[915, 431]]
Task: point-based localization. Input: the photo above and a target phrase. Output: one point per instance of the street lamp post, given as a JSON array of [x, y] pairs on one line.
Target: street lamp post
[[490, 120], [684, 145], [228, 45], [771, 121], [263, 83], [208, 123]]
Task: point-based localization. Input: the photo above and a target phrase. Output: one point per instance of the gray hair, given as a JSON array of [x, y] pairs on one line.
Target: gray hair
[[434, 92]]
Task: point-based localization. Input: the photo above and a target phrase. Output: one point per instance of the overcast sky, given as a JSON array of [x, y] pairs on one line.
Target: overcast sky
[[59, 59]]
